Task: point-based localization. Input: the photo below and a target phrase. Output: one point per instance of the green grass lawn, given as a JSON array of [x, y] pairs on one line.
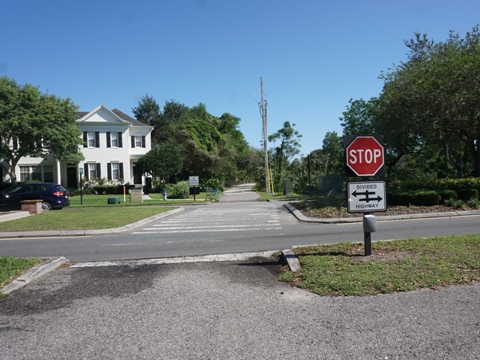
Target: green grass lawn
[[395, 266], [11, 268], [84, 218]]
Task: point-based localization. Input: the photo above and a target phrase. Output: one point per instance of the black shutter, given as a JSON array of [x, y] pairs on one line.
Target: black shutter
[[99, 175], [120, 166], [85, 139], [15, 144], [109, 143], [97, 139], [133, 141], [120, 144], [143, 141], [109, 171], [85, 170]]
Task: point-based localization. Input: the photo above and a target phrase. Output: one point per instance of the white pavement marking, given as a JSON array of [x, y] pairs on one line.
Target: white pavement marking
[[216, 220]]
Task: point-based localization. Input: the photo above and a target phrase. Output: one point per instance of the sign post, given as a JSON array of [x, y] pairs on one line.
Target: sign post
[[364, 157]]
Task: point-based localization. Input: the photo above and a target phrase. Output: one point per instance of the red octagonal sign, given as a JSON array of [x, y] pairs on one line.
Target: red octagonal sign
[[365, 156]]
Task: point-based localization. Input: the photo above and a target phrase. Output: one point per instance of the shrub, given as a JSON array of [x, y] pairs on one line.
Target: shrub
[[108, 189], [418, 198], [467, 194], [179, 190], [474, 203], [87, 191], [437, 184], [446, 195], [213, 183]]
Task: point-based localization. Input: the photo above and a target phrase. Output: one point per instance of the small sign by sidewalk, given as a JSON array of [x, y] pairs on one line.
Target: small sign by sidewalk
[[194, 181]]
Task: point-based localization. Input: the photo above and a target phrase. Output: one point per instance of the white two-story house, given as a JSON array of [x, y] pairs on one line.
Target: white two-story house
[[113, 142]]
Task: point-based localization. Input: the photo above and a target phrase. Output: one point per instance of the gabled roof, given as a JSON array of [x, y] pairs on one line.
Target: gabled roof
[[115, 115], [124, 116]]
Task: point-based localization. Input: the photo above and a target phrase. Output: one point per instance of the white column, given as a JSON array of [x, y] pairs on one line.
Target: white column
[[59, 173]]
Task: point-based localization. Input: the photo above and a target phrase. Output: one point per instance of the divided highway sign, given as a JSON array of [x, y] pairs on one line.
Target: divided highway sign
[[366, 196]]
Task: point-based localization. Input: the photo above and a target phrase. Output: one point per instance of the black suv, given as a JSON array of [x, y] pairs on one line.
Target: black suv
[[53, 196]]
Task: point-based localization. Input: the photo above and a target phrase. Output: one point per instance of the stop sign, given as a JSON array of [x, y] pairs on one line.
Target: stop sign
[[364, 156]]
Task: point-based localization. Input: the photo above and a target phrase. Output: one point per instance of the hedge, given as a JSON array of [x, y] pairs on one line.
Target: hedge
[[467, 194], [419, 198]]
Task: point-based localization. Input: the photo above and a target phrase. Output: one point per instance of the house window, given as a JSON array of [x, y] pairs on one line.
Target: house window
[[114, 139], [138, 141], [115, 171], [92, 170], [24, 173], [32, 173], [91, 139], [36, 173]]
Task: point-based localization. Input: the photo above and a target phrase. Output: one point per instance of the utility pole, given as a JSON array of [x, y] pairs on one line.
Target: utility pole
[[263, 108]]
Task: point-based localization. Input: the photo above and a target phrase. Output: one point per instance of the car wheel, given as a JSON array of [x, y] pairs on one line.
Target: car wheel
[[46, 206]]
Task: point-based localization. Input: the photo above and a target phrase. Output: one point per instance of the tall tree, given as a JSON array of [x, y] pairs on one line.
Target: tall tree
[[359, 118], [161, 162], [147, 110], [284, 152], [433, 98], [35, 124]]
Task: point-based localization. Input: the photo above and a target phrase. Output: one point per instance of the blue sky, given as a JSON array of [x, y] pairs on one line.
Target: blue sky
[[313, 56]]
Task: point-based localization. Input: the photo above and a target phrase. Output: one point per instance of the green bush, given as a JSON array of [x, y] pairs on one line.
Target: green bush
[[467, 194], [437, 184], [418, 198], [180, 190], [474, 203], [108, 189], [447, 195], [87, 191], [212, 183]]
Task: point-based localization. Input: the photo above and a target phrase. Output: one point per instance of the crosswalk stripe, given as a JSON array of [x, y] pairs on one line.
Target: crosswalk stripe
[[202, 230]]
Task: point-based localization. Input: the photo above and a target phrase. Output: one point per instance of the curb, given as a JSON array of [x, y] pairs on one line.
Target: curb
[[129, 227], [302, 217], [291, 259], [33, 274]]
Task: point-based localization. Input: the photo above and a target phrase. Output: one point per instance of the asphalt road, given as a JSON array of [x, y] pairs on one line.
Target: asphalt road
[[225, 227]]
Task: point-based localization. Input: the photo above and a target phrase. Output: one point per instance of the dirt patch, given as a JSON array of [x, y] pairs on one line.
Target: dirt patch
[[332, 212]]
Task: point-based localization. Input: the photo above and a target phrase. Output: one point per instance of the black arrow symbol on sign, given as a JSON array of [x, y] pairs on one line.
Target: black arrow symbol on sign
[[367, 198]]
